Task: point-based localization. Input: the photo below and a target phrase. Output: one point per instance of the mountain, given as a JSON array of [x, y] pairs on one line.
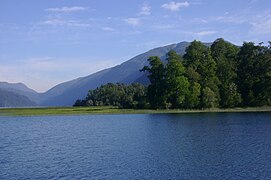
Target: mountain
[[16, 86], [67, 93], [12, 99], [21, 89]]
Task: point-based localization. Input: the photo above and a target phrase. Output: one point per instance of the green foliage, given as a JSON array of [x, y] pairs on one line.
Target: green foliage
[[177, 83], [254, 74], [123, 96], [209, 99], [230, 96], [220, 76], [157, 89], [201, 68], [194, 54], [193, 96], [225, 56]]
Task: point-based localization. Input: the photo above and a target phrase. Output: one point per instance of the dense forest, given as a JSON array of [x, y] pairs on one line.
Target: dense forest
[[222, 75], [123, 96]]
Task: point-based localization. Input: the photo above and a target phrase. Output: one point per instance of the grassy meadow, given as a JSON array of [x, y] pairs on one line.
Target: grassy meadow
[[112, 110]]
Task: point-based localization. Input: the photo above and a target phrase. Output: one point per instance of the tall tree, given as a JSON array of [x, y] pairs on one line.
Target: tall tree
[[199, 61], [209, 98], [225, 56], [263, 82], [254, 74], [177, 83], [193, 96], [157, 89], [247, 58]]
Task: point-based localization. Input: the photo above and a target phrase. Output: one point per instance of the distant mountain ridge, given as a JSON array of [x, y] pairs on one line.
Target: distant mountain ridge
[[21, 89], [65, 94], [12, 99], [127, 72], [16, 86]]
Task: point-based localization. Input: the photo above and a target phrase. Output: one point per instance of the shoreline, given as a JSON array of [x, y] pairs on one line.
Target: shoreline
[[40, 111]]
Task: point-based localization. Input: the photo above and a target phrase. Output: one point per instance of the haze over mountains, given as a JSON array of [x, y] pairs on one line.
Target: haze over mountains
[[65, 94], [16, 95]]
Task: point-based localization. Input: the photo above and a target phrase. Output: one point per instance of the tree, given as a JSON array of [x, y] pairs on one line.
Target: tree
[[79, 102], [208, 98], [123, 96], [261, 86], [177, 83], [194, 55], [157, 89], [222, 75], [264, 96], [202, 69], [193, 97], [225, 56], [246, 60]]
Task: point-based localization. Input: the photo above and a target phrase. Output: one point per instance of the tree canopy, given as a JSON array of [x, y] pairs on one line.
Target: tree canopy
[[124, 96], [222, 75]]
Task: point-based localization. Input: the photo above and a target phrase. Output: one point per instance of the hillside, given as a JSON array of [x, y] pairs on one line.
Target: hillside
[[21, 89], [11, 99], [67, 93]]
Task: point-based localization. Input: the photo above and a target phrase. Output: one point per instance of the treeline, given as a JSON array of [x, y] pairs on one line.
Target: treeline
[[123, 96], [222, 75]]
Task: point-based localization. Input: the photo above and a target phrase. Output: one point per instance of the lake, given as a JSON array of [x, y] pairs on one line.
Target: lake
[[147, 146]]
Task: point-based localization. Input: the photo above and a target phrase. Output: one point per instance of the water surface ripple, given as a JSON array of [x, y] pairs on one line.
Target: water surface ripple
[[151, 146]]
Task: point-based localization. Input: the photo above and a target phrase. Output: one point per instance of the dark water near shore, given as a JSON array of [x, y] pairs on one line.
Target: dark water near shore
[[158, 146]]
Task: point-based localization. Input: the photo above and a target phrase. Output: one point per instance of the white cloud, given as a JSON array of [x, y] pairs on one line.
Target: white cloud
[[59, 17], [261, 25], [62, 22], [163, 27], [132, 21], [67, 9], [175, 6], [54, 22], [236, 19], [145, 9], [108, 29], [205, 33]]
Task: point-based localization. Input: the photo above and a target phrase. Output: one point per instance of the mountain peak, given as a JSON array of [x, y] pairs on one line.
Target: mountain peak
[[16, 86], [128, 72]]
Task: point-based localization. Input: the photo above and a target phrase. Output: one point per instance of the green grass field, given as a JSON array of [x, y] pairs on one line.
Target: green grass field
[[111, 110]]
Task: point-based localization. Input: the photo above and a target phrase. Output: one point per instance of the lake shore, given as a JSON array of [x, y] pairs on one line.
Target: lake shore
[[114, 110]]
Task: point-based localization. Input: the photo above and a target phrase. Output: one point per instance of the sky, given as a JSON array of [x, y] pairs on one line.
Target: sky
[[47, 42]]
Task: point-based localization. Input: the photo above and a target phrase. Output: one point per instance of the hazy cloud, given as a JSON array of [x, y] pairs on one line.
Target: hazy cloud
[[108, 29], [132, 21], [175, 6], [145, 9], [261, 24], [163, 26], [67, 9], [63, 22], [45, 72], [205, 33]]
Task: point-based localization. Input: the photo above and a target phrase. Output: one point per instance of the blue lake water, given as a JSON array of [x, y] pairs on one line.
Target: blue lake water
[[151, 146]]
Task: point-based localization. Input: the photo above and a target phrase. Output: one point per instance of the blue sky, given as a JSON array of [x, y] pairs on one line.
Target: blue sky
[[43, 43]]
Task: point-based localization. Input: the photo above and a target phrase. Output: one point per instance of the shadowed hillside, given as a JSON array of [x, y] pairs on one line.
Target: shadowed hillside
[[11, 99], [67, 93]]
